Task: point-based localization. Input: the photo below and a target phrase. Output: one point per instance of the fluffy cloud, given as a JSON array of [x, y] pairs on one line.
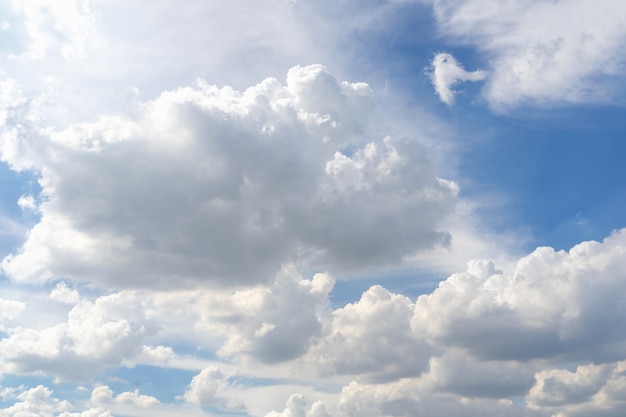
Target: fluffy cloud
[[554, 305], [372, 337], [297, 407], [98, 335], [210, 183], [446, 72], [489, 336], [543, 52], [211, 388], [39, 402], [104, 395], [590, 390], [63, 294], [268, 323]]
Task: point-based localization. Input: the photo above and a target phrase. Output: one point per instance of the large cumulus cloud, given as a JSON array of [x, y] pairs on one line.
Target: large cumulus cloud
[[211, 183], [556, 304]]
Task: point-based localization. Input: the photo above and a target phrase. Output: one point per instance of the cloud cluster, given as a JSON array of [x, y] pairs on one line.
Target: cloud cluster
[[483, 337], [542, 52], [97, 335], [40, 402], [556, 304], [209, 183]]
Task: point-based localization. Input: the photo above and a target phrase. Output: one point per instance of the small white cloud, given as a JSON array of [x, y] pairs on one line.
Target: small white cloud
[[371, 337], [156, 355], [297, 407], [102, 394], [446, 73], [27, 202], [65, 295], [211, 388]]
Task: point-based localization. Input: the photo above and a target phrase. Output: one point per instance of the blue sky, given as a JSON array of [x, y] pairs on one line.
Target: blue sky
[[288, 208]]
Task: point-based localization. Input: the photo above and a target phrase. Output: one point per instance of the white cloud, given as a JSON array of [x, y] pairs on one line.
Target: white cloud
[[542, 52], [98, 335], [40, 402], [63, 294], [267, 323], [102, 394], [446, 72], [27, 202], [211, 388], [555, 304], [209, 183], [372, 338], [297, 407]]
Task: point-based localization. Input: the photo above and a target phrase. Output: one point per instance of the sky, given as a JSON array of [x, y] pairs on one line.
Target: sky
[[298, 208]]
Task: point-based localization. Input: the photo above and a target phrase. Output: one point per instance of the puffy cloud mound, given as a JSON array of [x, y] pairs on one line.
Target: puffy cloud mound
[[297, 407], [40, 402], [268, 323], [544, 52], [556, 304], [590, 390], [210, 388], [209, 183], [102, 394], [108, 332], [446, 72], [372, 337]]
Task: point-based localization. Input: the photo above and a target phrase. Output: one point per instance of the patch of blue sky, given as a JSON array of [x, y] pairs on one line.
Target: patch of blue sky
[[13, 220], [562, 177], [558, 171], [410, 283], [166, 384]]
